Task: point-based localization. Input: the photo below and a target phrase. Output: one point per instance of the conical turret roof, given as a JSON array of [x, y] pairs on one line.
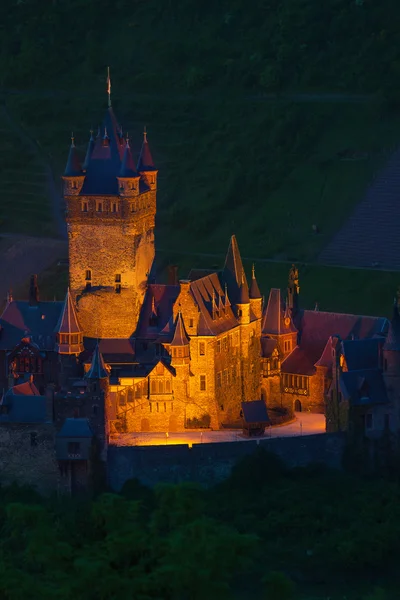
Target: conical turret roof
[[145, 162], [68, 321], [88, 152], [254, 292], [233, 272], [180, 336], [97, 368], [243, 294], [128, 168], [73, 166]]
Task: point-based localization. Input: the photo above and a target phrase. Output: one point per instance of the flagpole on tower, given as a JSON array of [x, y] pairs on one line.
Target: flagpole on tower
[[109, 86]]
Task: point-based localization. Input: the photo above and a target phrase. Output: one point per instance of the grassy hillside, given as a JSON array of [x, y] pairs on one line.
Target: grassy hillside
[[267, 169]]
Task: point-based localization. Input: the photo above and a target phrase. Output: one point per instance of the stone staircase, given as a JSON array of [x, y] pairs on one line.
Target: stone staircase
[[371, 236]]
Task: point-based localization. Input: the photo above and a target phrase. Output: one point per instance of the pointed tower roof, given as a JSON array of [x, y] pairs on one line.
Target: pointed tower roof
[[393, 337], [68, 321], [73, 166], [88, 151], [180, 336], [145, 162], [243, 293], [97, 368], [277, 319], [254, 292], [233, 272], [128, 168]]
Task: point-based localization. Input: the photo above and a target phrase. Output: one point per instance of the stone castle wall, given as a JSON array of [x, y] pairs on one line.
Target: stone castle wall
[[209, 464]]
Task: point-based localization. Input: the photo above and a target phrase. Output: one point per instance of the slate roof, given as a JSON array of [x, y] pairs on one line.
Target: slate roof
[[68, 321], [19, 320], [255, 412], [164, 297], [128, 168], [315, 330], [202, 291], [243, 294], [105, 160], [73, 166], [145, 162], [275, 316], [268, 345], [254, 292], [392, 342], [75, 428], [233, 272], [97, 369], [362, 354], [180, 338], [24, 409], [89, 152], [363, 387]]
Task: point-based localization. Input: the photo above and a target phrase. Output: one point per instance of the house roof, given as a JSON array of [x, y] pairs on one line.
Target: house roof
[[75, 428], [68, 321], [276, 319], [28, 388], [19, 320], [365, 386], [362, 354], [255, 412], [97, 369], [24, 408]]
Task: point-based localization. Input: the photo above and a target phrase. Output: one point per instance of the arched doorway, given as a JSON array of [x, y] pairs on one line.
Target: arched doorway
[[297, 405], [145, 425]]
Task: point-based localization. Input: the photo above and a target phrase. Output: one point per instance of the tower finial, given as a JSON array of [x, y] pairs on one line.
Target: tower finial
[[109, 86], [127, 139], [72, 140], [145, 134], [253, 272]]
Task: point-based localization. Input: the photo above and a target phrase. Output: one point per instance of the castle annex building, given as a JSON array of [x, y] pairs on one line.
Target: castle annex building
[[123, 353]]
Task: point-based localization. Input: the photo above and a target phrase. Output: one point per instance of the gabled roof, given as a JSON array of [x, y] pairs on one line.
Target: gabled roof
[[362, 354], [19, 320], [98, 369], [255, 412], [233, 273], [276, 320], [180, 338], [73, 166], [75, 428], [145, 162], [68, 321]]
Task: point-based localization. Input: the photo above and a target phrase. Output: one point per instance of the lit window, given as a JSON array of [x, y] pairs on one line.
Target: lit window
[[203, 385], [118, 278], [168, 386], [190, 322], [202, 348]]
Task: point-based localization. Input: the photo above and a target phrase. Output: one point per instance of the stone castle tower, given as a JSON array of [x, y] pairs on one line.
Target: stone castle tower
[[110, 213]]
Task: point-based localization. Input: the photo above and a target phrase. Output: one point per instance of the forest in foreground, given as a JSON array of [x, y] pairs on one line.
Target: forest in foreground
[[266, 532]]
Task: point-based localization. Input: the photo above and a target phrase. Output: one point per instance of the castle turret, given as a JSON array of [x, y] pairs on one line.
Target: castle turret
[[255, 296], [69, 334], [128, 179], [145, 164], [243, 304], [73, 175], [180, 345]]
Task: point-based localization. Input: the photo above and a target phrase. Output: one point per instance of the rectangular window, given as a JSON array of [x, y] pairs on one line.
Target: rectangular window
[[99, 207], [219, 379], [218, 345], [191, 322], [160, 387], [153, 386], [168, 387], [74, 339], [118, 278], [225, 343], [74, 448], [203, 384], [132, 207], [114, 207], [84, 206], [202, 348], [368, 421], [88, 275]]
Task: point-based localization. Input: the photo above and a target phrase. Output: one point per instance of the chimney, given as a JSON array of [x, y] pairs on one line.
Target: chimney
[[33, 291], [173, 275]]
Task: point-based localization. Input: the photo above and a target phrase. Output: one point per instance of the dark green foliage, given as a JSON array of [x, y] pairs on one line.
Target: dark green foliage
[[196, 423]]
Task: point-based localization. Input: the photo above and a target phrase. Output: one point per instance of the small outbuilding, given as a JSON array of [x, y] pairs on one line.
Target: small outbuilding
[[255, 418]]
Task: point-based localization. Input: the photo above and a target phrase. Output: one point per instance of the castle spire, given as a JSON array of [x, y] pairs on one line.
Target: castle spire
[[88, 151], [73, 167], [128, 164], [180, 338], [109, 86], [145, 162], [254, 292], [243, 292], [98, 369]]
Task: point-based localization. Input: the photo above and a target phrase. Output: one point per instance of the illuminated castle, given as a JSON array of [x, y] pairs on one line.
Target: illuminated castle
[[125, 354]]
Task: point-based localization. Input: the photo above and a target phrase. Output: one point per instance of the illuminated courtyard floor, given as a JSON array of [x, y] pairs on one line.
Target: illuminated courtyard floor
[[304, 424]]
